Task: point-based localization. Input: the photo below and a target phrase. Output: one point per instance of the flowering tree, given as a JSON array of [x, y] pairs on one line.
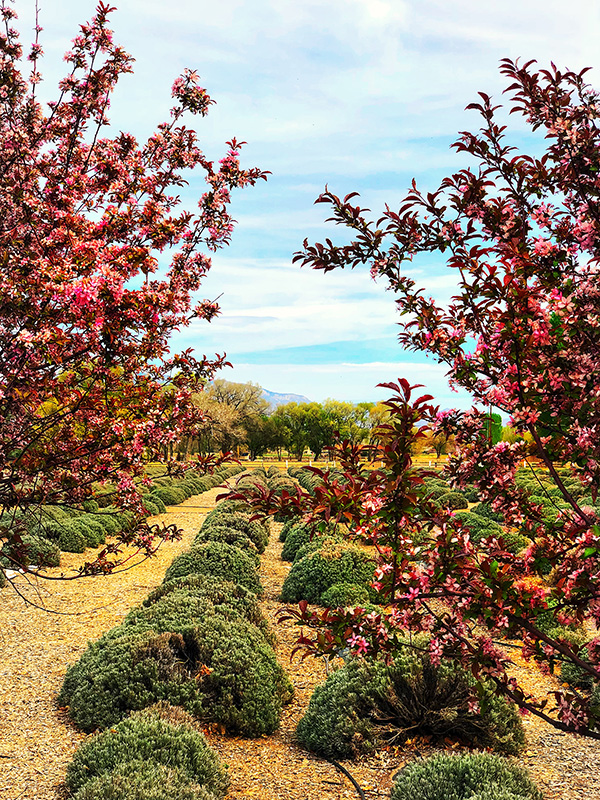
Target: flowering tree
[[522, 335], [87, 382]]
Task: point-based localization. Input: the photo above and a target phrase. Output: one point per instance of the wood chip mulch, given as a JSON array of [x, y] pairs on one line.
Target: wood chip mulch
[[37, 740]]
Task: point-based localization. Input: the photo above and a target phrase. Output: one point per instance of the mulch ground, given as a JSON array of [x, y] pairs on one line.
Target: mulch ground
[[37, 740]]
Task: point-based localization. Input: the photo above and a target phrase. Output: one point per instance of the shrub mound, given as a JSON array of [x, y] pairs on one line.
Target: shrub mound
[[220, 669], [365, 703], [287, 527], [452, 500], [334, 562], [38, 551], [474, 776], [255, 531], [345, 594], [217, 559], [139, 780], [227, 535], [297, 536], [217, 592], [150, 738]]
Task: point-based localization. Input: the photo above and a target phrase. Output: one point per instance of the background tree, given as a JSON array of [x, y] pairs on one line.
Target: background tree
[[87, 382], [231, 408]]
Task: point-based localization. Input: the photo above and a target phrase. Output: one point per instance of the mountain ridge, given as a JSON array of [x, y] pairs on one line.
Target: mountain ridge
[[275, 399]]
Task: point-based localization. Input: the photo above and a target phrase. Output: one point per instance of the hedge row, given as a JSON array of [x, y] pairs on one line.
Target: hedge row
[[199, 642]]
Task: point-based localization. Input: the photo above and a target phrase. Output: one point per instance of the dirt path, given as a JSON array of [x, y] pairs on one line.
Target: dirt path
[[37, 740]]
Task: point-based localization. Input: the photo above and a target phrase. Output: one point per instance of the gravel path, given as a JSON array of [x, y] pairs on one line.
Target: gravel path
[[37, 739]]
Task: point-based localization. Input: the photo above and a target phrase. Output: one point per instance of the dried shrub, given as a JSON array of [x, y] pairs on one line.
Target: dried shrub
[[367, 703]]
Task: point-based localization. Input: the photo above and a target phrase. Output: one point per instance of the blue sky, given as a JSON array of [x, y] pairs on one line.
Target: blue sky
[[359, 94]]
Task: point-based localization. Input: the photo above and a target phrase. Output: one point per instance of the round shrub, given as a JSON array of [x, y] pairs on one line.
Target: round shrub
[[219, 560], [482, 528], [479, 527], [436, 489], [93, 531], [169, 495], [485, 510], [71, 539], [218, 592], [220, 670], [334, 562], [109, 522], [471, 494], [287, 527], [148, 738], [413, 697], [41, 551], [37, 551], [297, 536], [254, 530], [452, 500], [155, 500], [90, 506], [139, 780], [571, 673], [226, 535], [150, 506], [474, 776], [345, 594]]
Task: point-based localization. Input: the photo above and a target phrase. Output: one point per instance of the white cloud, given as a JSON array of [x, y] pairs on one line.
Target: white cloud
[[360, 94]]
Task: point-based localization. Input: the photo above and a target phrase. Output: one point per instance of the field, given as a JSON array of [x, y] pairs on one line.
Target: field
[[38, 739]]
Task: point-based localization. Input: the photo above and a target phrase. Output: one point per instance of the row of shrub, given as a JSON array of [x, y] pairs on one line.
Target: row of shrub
[[326, 568], [48, 530], [199, 641], [367, 703]]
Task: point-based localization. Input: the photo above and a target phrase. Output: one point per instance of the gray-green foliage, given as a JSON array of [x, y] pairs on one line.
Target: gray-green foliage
[[139, 780], [365, 702], [170, 495], [257, 532], [227, 535], [155, 502], [220, 668], [485, 510], [345, 594], [287, 527], [147, 737], [452, 500], [484, 527], [296, 536], [218, 592], [218, 559], [476, 776], [334, 562], [37, 551]]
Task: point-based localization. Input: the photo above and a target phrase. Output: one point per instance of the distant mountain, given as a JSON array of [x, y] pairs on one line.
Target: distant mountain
[[275, 399]]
